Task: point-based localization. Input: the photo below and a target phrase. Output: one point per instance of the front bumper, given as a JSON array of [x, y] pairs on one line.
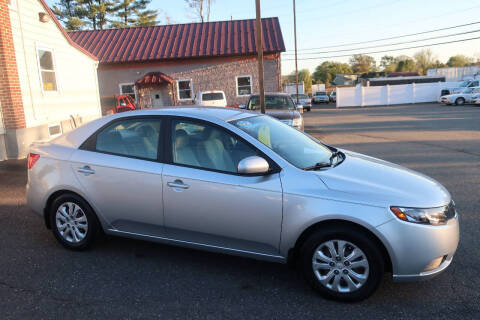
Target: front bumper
[[414, 247]]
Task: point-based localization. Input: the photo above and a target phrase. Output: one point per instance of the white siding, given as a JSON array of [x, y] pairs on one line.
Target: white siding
[[76, 73]]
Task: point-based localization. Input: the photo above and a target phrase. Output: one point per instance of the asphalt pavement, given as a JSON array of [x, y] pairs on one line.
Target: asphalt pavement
[[122, 278]]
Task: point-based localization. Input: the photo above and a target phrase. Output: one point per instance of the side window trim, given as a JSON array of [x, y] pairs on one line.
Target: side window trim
[[168, 147], [90, 143]]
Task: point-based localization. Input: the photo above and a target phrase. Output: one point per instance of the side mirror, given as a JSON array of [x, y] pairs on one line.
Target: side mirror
[[299, 108], [242, 106], [252, 165]]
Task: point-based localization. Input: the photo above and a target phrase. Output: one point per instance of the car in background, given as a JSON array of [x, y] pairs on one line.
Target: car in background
[[280, 106], [476, 98], [462, 85], [240, 182], [320, 97], [211, 98], [333, 96], [465, 96], [303, 100]]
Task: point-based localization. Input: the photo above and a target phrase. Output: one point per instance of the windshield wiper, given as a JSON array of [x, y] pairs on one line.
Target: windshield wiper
[[318, 165]]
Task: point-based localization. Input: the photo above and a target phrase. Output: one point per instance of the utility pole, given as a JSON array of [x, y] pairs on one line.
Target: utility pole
[[295, 37], [260, 57]]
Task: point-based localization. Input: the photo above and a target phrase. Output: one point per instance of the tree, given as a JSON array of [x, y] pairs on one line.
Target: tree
[[406, 65], [326, 72], [459, 61], [361, 63], [388, 64], [424, 59], [68, 12], [133, 13], [200, 8]]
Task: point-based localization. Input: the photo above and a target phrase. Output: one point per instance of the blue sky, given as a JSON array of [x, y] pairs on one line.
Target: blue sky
[[323, 23]]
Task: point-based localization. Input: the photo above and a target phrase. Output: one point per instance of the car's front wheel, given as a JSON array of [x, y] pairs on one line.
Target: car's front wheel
[[342, 263], [73, 222], [460, 102]]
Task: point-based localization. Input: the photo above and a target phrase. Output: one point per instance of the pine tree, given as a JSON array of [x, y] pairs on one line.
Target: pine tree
[[95, 12], [133, 13], [69, 13]]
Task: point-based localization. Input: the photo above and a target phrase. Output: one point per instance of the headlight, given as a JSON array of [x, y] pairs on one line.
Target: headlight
[[297, 122], [433, 216]]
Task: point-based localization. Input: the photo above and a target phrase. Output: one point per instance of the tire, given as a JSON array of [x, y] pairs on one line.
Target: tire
[[343, 236], [460, 102], [81, 218]]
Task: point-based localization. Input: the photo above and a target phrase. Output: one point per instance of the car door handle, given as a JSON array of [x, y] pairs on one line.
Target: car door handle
[[178, 184], [86, 170]]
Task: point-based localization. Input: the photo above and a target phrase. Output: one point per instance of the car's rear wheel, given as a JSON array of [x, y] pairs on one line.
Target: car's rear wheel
[[460, 101], [73, 222], [342, 263]]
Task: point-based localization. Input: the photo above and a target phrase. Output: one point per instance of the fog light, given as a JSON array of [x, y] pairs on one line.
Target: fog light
[[435, 263]]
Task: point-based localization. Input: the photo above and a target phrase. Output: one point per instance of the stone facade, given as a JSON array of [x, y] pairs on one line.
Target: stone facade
[[206, 74]]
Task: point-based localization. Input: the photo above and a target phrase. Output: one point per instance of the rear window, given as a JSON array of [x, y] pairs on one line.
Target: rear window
[[212, 96], [300, 96], [320, 94]]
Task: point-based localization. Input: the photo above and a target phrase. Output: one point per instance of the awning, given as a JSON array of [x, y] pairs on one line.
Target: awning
[[153, 78]]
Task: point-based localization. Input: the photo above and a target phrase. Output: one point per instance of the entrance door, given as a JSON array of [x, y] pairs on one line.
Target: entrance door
[[158, 97]]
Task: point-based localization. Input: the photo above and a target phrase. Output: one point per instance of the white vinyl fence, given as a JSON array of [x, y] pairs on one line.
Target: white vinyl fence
[[391, 94]]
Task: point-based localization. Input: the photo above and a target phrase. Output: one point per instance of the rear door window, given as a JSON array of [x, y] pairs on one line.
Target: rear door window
[[212, 96], [137, 138]]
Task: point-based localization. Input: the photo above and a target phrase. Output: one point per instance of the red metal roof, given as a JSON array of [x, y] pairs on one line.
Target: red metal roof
[[154, 78], [180, 41]]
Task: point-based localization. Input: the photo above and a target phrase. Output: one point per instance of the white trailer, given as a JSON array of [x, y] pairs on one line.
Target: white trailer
[[291, 88], [317, 88]]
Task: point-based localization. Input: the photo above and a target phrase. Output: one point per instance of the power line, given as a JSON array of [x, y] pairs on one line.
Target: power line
[[389, 44], [382, 51], [390, 38]]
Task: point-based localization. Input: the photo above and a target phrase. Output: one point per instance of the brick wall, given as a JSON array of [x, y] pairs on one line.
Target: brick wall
[[10, 93]]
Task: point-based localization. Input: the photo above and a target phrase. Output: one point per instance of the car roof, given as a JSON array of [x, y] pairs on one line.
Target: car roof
[[271, 94]]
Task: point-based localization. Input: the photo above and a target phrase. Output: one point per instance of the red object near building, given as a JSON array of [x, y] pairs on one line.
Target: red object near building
[[124, 103]]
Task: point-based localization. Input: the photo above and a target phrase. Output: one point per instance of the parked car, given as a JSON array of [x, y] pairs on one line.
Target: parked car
[[280, 106], [211, 98], [243, 183], [461, 87], [333, 96], [320, 97], [303, 100], [465, 96], [476, 98]]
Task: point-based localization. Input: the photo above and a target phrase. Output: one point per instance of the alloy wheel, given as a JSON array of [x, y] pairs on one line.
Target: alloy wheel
[[71, 222], [340, 266]]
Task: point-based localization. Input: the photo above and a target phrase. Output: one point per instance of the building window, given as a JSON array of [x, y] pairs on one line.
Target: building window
[[46, 65], [128, 88], [244, 85], [184, 89]]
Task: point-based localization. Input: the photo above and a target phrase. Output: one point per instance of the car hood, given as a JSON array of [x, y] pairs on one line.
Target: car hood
[[283, 114], [363, 179]]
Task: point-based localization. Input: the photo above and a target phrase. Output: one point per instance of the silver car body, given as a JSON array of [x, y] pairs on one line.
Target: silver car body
[[320, 97], [255, 216], [466, 94]]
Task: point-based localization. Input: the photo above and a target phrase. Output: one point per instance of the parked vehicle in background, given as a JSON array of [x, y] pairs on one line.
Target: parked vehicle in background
[[333, 96], [317, 88], [280, 106], [291, 88], [320, 97], [461, 86], [303, 100], [211, 98], [243, 183], [465, 96], [476, 98]]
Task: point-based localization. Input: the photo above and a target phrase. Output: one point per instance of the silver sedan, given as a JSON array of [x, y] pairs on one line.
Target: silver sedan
[[243, 183]]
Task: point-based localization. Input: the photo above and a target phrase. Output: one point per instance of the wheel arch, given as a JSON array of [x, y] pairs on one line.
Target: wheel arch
[[293, 252]]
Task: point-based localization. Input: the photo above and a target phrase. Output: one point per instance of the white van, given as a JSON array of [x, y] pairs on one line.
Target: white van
[[211, 98]]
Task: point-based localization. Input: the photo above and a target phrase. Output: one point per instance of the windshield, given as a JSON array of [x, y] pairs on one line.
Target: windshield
[[291, 144], [212, 96], [463, 84], [300, 96], [283, 102], [320, 94]]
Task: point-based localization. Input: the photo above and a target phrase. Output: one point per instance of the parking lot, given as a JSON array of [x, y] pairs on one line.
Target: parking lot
[[122, 278]]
